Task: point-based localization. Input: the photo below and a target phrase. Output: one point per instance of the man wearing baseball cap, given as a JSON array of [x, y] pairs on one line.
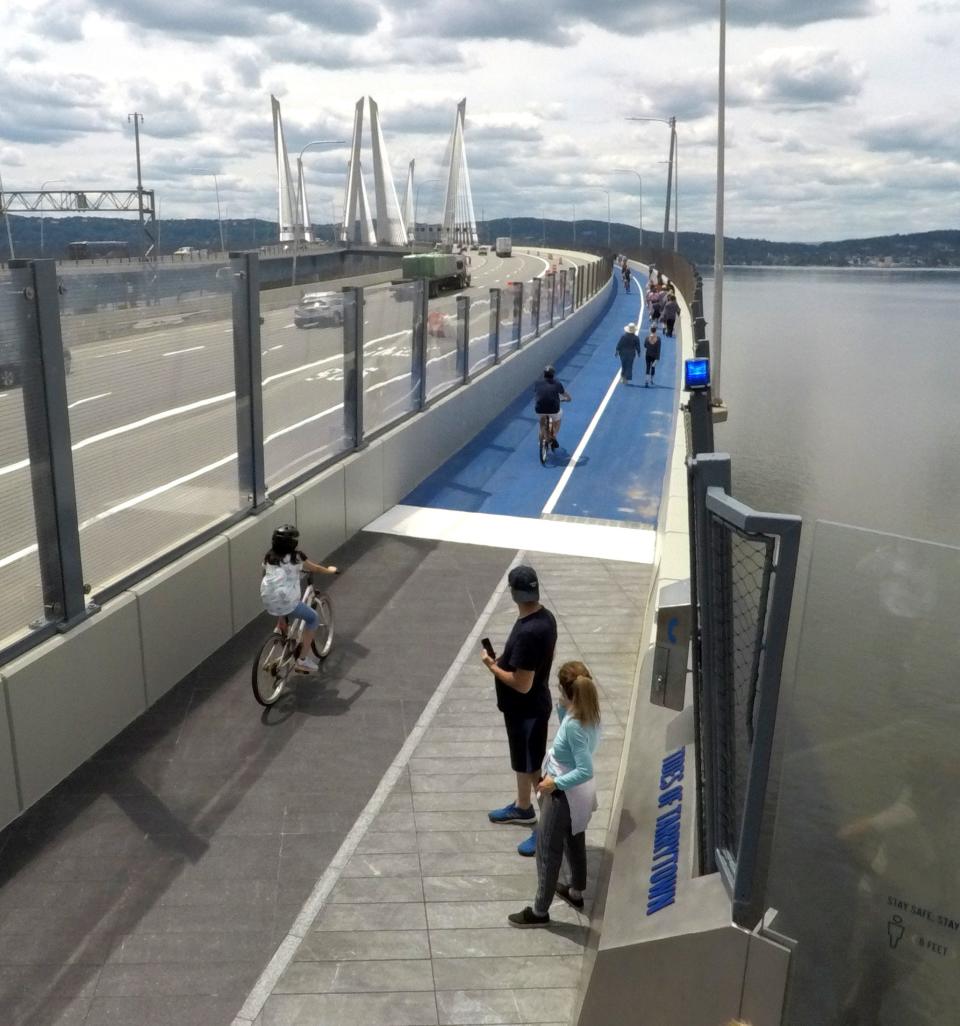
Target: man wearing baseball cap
[[522, 674]]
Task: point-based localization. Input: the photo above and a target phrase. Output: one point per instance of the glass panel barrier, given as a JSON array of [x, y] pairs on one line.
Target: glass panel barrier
[[389, 377], [21, 597], [510, 319], [152, 417], [442, 372], [569, 294], [863, 870], [481, 349], [302, 363], [528, 319]]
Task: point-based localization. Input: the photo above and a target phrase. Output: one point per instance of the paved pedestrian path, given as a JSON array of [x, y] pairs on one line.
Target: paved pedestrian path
[[411, 926]]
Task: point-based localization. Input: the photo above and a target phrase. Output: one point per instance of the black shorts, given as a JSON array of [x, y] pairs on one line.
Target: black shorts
[[528, 742]]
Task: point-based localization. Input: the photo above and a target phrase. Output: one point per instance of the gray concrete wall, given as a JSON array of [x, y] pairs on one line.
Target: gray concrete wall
[[65, 699]]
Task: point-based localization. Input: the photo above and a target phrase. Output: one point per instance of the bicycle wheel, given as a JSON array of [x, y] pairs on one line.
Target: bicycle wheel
[[323, 639], [271, 668], [544, 448]]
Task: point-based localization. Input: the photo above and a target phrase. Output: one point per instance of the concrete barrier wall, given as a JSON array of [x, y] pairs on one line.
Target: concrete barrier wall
[[65, 699]]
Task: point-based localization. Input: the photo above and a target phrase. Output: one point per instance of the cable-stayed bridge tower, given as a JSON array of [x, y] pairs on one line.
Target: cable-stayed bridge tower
[[288, 216], [459, 223]]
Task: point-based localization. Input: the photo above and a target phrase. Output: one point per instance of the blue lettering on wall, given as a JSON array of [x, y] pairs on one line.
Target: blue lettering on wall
[[666, 835]]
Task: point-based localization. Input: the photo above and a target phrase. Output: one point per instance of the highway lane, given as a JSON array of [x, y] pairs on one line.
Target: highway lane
[[154, 430]]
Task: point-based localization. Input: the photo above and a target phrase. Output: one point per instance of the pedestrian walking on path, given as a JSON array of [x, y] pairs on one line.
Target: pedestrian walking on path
[[568, 797], [522, 674], [669, 314], [651, 346], [628, 348]]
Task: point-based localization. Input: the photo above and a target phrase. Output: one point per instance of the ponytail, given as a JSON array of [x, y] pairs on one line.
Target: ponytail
[[584, 701]]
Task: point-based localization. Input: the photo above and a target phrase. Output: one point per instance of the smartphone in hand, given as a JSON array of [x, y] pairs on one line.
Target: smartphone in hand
[[488, 648]]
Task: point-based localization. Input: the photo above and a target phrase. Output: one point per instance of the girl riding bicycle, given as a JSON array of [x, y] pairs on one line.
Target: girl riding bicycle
[[280, 589]]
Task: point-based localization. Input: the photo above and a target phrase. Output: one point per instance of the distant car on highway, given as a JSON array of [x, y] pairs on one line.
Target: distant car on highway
[[482, 251], [186, 251], [318, 308]]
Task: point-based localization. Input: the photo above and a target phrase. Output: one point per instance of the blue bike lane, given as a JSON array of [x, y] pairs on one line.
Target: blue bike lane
[[616, 476]]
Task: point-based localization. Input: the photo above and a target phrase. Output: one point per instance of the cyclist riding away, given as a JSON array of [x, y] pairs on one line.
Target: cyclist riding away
[[548, 395], [281, 592]]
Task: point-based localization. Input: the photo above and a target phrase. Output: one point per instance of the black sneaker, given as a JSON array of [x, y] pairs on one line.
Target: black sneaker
[[554, 444], [527, 918], [563, 891]]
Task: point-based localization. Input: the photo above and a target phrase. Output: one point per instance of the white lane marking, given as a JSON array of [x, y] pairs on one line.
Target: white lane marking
[[290, 325], [89, 399], [3, 395], [571, 466], [11, 467], [301, 423], [116, 352], [178, 352], [14, 556], [273, 349], [284, 954]]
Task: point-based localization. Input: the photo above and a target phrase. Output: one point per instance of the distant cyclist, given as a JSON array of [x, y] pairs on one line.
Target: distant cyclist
[[281, 590], [548, 394]]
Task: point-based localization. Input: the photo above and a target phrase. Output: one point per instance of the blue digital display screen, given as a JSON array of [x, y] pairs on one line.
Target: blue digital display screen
[[696, 374]]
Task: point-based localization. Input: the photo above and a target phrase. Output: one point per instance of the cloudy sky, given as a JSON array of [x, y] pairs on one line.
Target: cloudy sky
[[843, 117]]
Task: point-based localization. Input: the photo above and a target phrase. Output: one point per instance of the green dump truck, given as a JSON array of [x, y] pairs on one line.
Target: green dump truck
[[440, 270]]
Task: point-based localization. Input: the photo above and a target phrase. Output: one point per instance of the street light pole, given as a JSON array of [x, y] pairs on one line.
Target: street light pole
[[718, 229], [631, 171], [50, 181], [137, 118], [671, 174]]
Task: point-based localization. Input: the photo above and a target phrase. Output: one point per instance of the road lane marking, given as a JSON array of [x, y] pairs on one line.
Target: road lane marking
[[178, 352], [22, 554], [89, 399], [116, 352]]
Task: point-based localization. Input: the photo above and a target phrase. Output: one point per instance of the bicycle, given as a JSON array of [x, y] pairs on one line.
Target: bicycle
[[278, 655], [545, 436]]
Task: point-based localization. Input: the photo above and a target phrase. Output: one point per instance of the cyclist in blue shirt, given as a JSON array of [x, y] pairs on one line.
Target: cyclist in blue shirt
[[548, 394]]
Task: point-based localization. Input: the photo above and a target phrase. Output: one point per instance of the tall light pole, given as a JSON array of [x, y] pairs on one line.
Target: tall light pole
[[216, 185], [50, 181], [136, 117], [301, 228], [630, 171], [718, 229], [672, 176]]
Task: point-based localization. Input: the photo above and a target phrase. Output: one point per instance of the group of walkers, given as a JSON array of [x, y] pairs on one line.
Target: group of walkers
[[664, 308], [562, 778]]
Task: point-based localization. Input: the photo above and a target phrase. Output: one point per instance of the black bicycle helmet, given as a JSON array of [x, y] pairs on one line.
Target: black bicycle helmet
[[549, 371], [284, 540]]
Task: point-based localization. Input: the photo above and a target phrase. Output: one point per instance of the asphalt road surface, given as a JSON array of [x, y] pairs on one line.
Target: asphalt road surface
[[153, 424]]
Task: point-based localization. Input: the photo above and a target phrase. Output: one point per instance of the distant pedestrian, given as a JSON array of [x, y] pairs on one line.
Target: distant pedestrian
[[568, 797], [522, 674], [651, 347], [626, 278], [628, 349], [669, 313], [656, 307]]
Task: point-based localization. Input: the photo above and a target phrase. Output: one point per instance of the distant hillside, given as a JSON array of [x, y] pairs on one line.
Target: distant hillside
[[922, 249]]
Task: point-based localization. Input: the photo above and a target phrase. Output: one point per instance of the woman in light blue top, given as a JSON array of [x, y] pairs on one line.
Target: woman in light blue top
[[568, 797]]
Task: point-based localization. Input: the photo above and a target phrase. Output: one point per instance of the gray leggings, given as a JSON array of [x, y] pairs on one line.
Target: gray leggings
[[554, 837]]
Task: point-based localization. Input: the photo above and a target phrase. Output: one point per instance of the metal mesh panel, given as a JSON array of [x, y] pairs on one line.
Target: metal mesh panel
[[740, 586], [21, 600], [302, 366], [389, 380], [152, 413]]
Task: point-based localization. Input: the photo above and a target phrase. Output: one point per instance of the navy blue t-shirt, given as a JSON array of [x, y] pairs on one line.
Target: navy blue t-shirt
[[529, 647], [547, 396]]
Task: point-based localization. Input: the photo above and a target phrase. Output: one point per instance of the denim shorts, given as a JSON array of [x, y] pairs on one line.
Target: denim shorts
[[304, 612]]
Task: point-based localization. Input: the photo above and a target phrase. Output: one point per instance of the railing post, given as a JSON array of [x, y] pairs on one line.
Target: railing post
[[418, 356], [47, 422], [551, 277], [563, 294], [573, 289], [353, 364], [248, 377], [537, 292], [518, 312], [463, 337], [494, 341]]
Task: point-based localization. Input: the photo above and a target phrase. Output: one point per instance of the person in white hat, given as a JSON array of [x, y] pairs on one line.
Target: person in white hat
[[628, 349]]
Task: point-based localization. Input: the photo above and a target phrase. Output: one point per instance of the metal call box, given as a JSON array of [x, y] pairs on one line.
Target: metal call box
[[672, 647]]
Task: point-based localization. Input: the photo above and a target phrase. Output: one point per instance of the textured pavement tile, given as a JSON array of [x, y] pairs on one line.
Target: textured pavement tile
[[363, 945], [504, 837], [131, 980], [389, 843], [160, 1010], [458, 1007], [469, 820], [356, 977], [476, 863], [521, 886], [408, 915], [466, 915], [497, 749], [397, 1009], [376, 889], [493, 973], [557, 939], [366, 864], [463, 780]]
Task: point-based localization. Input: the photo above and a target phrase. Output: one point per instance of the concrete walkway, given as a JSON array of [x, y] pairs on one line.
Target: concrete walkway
[[409, 924]]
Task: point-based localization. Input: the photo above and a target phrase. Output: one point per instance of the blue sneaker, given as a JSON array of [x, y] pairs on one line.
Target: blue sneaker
[[528, 848], [512, 814]]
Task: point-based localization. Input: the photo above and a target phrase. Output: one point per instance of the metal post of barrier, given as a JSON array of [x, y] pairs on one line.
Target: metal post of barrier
[[418, 355], [537, 284], [701, 422], [563, 294], [495, 296], [353, 364], [48, 441], [248, 377], [551, 277], [573, 288], [463, 337], [518, 312]]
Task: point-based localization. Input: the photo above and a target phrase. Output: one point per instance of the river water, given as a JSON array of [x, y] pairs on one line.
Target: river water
[[842, 392]]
